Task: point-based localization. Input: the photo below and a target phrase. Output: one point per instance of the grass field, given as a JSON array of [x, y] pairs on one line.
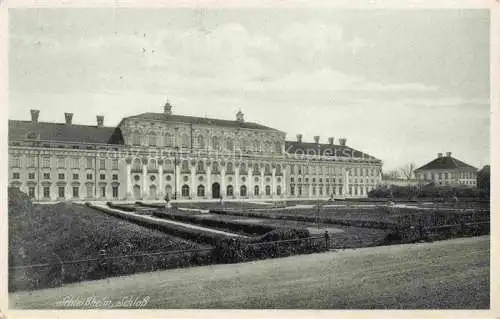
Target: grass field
[[452, 274], [48, 233]]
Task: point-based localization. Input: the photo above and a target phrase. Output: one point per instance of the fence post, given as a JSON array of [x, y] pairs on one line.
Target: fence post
[[103, 261], [62, 267]]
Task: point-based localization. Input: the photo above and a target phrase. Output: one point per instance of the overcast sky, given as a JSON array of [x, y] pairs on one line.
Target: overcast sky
[[399, 85]]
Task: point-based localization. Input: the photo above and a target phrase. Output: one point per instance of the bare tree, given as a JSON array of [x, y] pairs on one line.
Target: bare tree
[[407, 171], [392, 174]]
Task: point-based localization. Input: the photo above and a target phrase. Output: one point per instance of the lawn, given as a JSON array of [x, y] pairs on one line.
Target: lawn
[[40, 234]]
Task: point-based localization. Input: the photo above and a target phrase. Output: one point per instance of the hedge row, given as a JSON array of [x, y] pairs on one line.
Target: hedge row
[[311, 219], [121, 207], [234, 249], [234, 226]]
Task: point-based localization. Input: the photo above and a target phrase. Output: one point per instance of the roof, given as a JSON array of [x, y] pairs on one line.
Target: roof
[[65, 132], [446, 162], [303, 148], [199, 120]]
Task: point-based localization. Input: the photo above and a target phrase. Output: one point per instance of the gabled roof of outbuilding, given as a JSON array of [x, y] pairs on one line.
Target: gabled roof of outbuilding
[[446, 162]]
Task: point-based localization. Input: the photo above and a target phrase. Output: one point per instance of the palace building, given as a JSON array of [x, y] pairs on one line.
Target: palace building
[[447, 171], [152, 155]]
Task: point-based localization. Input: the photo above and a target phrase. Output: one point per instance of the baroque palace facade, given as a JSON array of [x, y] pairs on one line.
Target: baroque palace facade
[[153, 155]]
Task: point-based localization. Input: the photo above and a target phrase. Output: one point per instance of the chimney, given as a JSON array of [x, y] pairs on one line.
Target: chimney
[[34, 116], [100, 120], [316, 139], [440, 155], [240, 117], [69, 118], [448, 154], [330, 140], [299, 138], [167, 108], [342, 141]]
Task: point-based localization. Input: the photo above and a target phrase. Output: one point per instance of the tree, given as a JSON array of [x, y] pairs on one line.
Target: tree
[[392, 174], [407, 171]]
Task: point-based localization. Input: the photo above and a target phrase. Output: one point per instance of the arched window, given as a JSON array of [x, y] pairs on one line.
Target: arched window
[[229, 190], [243, 169], [152, 139], [152, 164], [269, 147], [185, 191], [256, 170], [201, 191], [243, 191], [267, 169], [167, 140], [229, 144], [255, 146], [201, 167], [268, 190], [215, 167], [185, 140], [169, 166], [201, 141], [256, 190], [185, 165], [137, 165], [136, 138], [229, 167], [277, 147], [278, 169], [215, 142], [278, 190]]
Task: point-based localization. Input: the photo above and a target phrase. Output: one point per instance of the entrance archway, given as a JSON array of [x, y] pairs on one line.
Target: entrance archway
[[137, 192], [152, 192], [215, 190]]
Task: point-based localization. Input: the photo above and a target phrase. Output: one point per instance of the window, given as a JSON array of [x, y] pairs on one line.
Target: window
[[31, 175], [31, 161], [292, 179], [115, 177], [256, 190], [292, 189], [75, 162], [201, 191], [15, 161], [136, 139], [114, 163], [76, 191], [168, 139], [278, 190], [201, 141], [46, 192], [229, 144], [89, 176], [185, 140], [75, 147], [61, 192], [243, 191], [103, 191], [102, 163], [215, 143], [61, 176], [61, 162], [185, 191], [76, 176], [90, 191], [268, 190], [46, 161], [46, 175], [16, 175], [31, 192], [229, 190], [90, 162], [152, 140], [102, 177], [115, 192]]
